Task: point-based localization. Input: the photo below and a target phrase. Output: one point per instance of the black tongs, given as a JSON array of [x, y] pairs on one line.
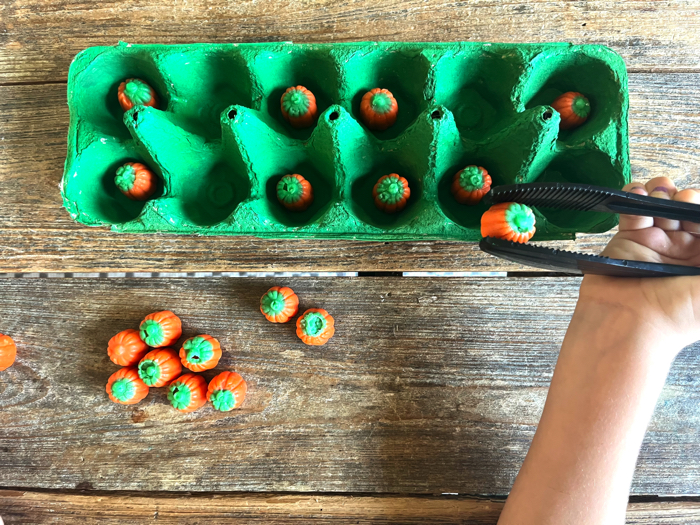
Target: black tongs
[[584, 197]]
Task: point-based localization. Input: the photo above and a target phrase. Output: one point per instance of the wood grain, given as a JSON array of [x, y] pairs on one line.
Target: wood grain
[[426, 388], [39, 38], [26, 507], [36, 233]]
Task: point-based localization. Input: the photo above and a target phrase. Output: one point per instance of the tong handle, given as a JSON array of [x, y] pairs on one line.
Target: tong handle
[[580, 263], [585, 197]]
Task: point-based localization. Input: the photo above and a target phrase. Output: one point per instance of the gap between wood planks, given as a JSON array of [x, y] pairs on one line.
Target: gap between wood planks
[[638, 498], [274, 275]]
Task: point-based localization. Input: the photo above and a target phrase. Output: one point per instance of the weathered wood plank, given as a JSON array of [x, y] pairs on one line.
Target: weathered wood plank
[[36, 233], [25, 507], [22, 507], [40, 37], [430, 386]]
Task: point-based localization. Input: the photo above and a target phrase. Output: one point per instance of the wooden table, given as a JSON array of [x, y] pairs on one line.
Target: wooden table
[[422, 408]]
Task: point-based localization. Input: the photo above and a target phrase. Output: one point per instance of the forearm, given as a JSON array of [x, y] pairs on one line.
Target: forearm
[[611, 369]]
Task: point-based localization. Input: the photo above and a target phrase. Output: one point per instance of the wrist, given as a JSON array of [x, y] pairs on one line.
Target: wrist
[[604, 323]]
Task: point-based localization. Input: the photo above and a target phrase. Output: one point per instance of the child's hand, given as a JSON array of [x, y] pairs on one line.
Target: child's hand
[[657, 240], [669, 307]]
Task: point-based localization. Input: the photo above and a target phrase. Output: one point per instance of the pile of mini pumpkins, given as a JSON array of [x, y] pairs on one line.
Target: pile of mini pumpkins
[[149, 362]]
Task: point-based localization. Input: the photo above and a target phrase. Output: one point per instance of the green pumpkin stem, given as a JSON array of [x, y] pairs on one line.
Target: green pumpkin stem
[[520, 218], [380, 103], [295, 103], [152, 332], [471, 179], [198, 350], [273, 303], [313, 324], [581, 107], [179, 395], [123, 389], [137, 91], [125, 177], [149, 372], [223, 400], [390, 190], [289, 189]]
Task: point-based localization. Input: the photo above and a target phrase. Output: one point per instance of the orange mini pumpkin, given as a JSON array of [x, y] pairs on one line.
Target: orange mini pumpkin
[[159, 367], [379, 109], [160, 329], [188, 392], [126, 387], [295, 192], [126, 348], [279, 304], [200, 353], [470, 185], [315, 327], [391, 193], [8, 352], [298, 106], [573, 108], [510, 221], [134, 92], [136, 181], [227, 391]]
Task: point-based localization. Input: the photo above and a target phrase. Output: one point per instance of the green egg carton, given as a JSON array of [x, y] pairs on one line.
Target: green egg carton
[[219, 142]]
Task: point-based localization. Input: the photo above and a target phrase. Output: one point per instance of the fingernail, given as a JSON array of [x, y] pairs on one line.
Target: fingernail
[[660, 188], [638, 191]]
